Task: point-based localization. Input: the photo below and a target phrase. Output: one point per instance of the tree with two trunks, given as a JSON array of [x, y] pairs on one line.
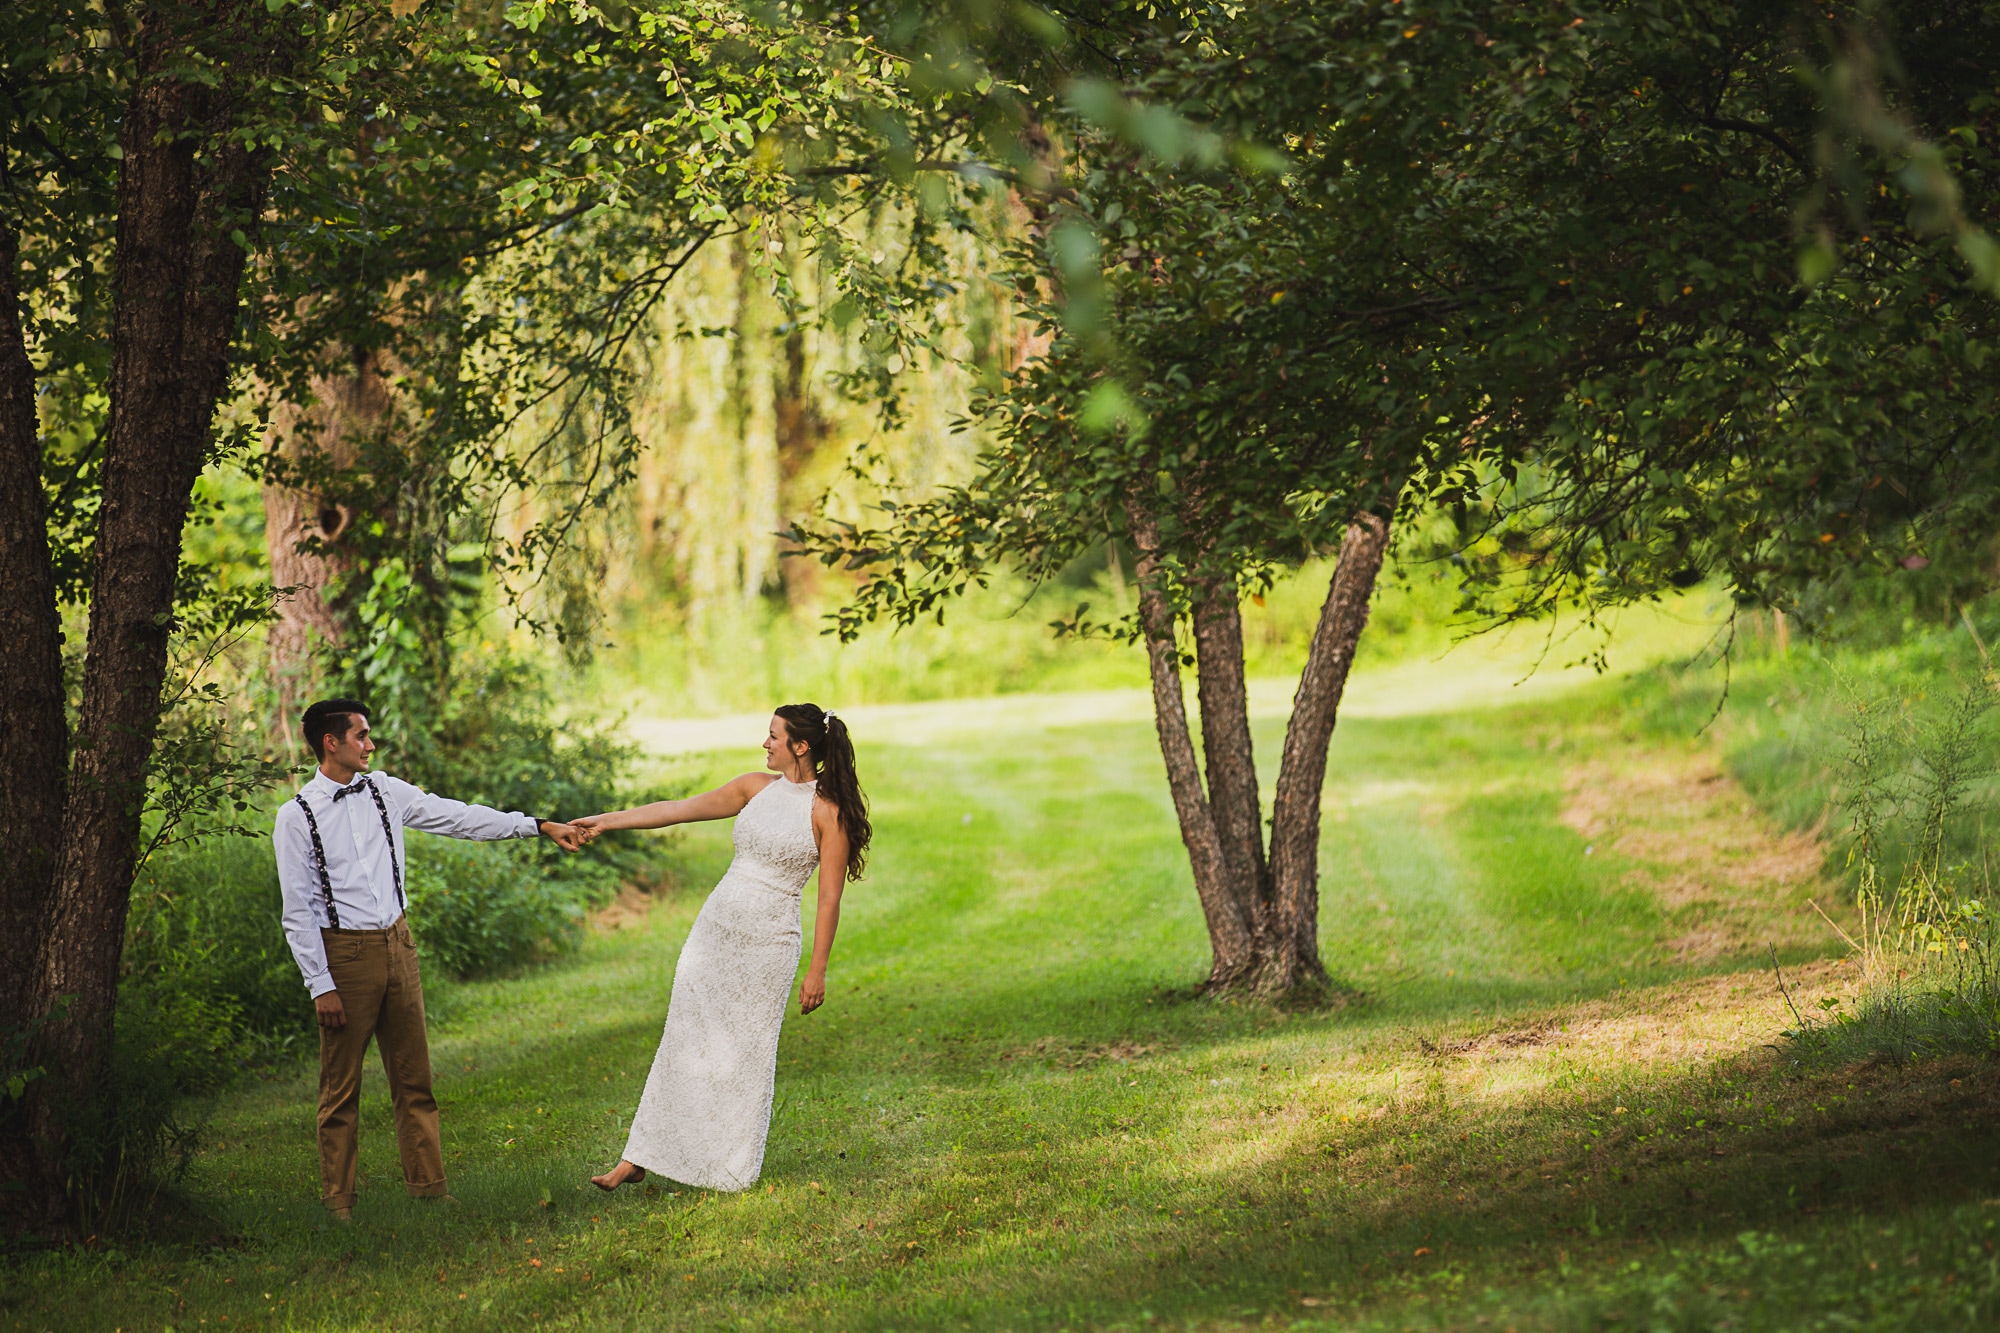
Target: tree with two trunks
[[1541, 266], [422, 240]]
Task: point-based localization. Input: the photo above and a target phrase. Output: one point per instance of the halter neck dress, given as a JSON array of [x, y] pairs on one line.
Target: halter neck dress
[[706, 1111]]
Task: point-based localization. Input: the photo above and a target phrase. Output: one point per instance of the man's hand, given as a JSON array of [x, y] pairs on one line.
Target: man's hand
[[812, 992], [566, 836], [332, 1013]]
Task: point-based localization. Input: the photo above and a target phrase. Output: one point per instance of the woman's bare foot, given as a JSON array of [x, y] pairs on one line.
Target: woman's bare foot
[[618, 1175]]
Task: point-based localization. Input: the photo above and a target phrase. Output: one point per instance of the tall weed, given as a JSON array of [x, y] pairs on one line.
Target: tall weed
[[1931, 977]]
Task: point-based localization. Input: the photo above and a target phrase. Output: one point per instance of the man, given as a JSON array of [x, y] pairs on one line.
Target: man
[[339, 843]]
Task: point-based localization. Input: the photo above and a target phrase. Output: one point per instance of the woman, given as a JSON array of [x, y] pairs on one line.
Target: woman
[[707, 1106]]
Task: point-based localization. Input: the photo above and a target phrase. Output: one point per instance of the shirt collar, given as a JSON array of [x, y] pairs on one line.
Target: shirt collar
[[323, 786]]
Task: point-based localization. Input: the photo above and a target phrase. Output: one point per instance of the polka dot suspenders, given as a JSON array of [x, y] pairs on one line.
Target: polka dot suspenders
[[319, 864], [319, 848]]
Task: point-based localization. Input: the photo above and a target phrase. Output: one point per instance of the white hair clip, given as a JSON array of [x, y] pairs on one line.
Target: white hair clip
[[828, 714]]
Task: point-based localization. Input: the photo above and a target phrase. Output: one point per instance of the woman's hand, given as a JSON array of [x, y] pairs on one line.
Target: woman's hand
[[589, 825], [812, 991]]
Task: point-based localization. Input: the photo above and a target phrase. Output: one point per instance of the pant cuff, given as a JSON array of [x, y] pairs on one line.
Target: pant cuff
[[436, 1191], [333, 1201]]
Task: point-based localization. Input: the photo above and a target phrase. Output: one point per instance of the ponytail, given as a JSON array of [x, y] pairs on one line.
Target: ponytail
[[832, 755]]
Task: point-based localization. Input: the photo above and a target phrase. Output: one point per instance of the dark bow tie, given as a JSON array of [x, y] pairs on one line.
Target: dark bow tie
[[343, 793]]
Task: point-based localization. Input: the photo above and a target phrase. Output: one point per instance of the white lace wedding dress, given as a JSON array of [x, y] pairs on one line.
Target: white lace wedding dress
[[707, 1106]]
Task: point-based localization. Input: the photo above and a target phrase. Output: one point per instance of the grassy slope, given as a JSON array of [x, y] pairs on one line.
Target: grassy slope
[[1550, 1111]]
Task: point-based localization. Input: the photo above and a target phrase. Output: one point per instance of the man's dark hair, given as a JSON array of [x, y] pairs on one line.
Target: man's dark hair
[[330, 717]]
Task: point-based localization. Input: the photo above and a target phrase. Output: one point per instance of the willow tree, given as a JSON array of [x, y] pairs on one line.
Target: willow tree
[[485, 368]]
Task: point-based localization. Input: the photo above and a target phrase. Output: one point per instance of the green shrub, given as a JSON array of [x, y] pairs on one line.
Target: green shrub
[[207, 985], [203, 938], [209, 974], [138, 1136], [480, 909], [498, 739], [207, 967]]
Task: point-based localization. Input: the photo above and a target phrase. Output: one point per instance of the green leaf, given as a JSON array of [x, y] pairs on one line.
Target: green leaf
[[1109, 408], [1983, 254], [1816, 263]]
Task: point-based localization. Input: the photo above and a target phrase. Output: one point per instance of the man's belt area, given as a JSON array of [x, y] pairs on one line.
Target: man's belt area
[[386, 930]]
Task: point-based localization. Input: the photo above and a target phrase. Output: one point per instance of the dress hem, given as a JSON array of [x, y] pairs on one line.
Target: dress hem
[[667, 1174]]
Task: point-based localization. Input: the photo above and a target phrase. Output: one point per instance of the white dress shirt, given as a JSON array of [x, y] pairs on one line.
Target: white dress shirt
[[363, 860]]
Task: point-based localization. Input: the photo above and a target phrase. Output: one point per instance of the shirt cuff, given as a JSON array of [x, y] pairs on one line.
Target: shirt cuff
[[531, 826], [320, 984]]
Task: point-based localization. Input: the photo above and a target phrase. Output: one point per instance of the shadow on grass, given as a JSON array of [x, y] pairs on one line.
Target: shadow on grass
[[1438, 1200]]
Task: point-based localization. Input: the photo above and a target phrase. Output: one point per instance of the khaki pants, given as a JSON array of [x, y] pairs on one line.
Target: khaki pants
[[375, 972]]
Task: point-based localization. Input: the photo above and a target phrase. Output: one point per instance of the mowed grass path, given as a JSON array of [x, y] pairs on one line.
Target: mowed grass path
[[1556, 1104]]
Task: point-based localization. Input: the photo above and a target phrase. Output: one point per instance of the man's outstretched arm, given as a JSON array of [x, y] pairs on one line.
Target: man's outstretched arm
[[430, 813]]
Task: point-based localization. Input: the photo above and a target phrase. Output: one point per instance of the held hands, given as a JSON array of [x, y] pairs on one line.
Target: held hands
[[812, 992], [578, 833], [570, 837]]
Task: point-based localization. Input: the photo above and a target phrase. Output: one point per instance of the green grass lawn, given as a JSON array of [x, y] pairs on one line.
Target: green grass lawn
[[1559, 1102]]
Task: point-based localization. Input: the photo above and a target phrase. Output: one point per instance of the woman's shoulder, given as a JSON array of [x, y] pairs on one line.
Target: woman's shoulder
[[749, 784]]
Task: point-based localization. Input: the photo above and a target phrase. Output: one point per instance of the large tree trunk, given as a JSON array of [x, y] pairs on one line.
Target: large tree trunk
[[303, 529], [1226, 746], [33, 731], [1231, 934], [183, 187], [1292, 960]]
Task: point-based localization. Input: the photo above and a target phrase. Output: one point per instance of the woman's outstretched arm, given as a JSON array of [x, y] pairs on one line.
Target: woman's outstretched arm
[[725, 801], [826, 920]]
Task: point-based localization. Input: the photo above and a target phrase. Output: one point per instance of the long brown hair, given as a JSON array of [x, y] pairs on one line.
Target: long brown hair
[[832, 754]]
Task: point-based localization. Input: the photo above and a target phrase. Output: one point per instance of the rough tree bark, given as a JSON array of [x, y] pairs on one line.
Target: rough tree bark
[[1231, 934], [183, 187], [1263, 914], [303, 529], [34, 735], [1231, 762], [1292, 959]]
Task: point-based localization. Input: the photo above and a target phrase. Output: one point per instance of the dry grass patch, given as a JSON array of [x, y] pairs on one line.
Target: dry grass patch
[[1731, 879], [1062, 1054], [1695, 1019], [630, 908]]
